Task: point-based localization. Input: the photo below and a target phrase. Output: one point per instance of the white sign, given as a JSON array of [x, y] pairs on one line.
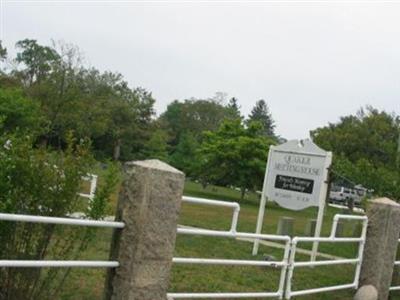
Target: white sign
[[295, 174], [296, 178]]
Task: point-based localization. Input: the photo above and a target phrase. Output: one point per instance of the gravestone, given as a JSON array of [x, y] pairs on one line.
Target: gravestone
[[285, 226], [310, 227]]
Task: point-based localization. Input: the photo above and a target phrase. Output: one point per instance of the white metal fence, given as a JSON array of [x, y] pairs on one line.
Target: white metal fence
[[287, 264], [397, 287], [232, 233], [331, 239], [59, 263]]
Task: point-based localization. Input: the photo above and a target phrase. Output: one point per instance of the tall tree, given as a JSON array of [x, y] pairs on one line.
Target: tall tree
[[234, 109], [193, 116], [37, 59], [261, 114], [234, 155], [365, 149], [185, 155], [95, 105], [3, 52]]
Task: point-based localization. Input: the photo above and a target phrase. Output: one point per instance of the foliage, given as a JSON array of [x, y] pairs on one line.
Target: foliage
[[185, 155], [110, 181], [260, 113], [17, 111], [37, 59], [365, 149], [95, 105], [193, 117], [157, 147], [234, 109], [3, 52], [37, 181], [234, 155]]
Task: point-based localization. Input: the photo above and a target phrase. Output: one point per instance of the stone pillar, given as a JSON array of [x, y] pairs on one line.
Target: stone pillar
[[381, 245], [149, 204]]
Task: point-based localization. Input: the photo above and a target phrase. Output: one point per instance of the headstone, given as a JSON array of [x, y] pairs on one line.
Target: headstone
[[310, 227], [285, 226]]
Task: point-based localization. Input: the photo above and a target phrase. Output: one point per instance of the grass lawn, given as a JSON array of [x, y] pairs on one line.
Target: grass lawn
[[88, 283]]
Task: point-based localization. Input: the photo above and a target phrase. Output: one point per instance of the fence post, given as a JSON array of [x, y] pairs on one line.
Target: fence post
[[381, 245], [149, 204]]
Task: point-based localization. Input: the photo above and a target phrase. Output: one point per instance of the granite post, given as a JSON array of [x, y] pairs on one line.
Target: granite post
[[381, 245], [149, 204]]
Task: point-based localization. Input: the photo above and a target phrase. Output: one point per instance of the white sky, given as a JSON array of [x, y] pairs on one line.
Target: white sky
[[311, 61]]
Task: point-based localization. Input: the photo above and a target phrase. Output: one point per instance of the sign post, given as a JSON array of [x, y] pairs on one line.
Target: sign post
[[296, 178]]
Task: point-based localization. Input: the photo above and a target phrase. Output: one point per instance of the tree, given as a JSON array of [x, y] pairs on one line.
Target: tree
[[157, 146], [37, 59], [370, 134], [234, 155], [194, 116], [261, 114], [3, 52], [185, 155], [18, 112], [95, 105], [234, 109], [365, 149]]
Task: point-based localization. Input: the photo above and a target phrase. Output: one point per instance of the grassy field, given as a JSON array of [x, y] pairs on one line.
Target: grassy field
[[88, 283]]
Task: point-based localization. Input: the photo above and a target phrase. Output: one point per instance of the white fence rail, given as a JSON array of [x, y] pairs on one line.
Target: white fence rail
[[331, 239], [397, 287], [232, 233], [283, 264], [233, 205], [287, 264], [58, 263]]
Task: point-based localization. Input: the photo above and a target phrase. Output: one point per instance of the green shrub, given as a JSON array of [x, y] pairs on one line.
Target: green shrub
[[38, 181]]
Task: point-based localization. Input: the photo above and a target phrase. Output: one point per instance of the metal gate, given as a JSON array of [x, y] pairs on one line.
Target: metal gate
[[287, 264]]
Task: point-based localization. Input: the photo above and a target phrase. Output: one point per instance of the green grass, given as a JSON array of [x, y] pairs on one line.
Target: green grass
[[88, 283]]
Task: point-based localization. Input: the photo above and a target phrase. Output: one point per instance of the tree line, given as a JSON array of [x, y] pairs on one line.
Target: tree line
[[48, 90]]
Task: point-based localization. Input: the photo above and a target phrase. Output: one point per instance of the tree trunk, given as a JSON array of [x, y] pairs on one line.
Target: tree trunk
[[117, 149], [242, 193]]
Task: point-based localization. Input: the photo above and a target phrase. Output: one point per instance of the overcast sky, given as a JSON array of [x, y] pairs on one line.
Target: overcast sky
[[311, 61]]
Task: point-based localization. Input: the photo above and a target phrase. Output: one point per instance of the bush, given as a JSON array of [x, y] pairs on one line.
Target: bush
[[38, 181]]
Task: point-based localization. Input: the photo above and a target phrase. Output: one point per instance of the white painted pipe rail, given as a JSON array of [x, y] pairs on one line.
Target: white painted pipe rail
[[337, 217], [58, 264], [283, 264], [324, 289], [63, 221], [221, 295], [326, 262], [395, 288], [202, 201], [217, 233], [331, 239], [227, 262]]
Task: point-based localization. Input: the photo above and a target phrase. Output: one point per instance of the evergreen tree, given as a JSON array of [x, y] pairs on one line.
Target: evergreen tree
[[234, 109], [185, 157], [261, 114]]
